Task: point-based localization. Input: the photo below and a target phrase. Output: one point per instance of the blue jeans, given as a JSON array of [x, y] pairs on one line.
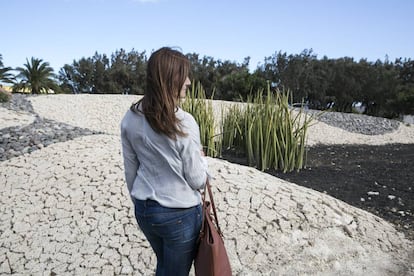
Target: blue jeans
[[172, 233]]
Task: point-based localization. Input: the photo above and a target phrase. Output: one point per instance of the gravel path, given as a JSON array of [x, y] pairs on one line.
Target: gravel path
[[357, 123]]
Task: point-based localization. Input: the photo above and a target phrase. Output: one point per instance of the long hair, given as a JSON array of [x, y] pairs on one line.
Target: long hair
[[167, 71]]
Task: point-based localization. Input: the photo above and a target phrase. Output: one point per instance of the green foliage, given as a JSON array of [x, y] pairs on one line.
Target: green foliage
[[321, 83], [121, 73], [268, 131], [202, 110], [5, 75], [227, 80], [404, 101], [341, 82], [265, 128], [36, 76]]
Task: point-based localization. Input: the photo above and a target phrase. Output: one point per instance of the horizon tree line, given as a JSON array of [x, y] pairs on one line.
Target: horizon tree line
[[384, 88]]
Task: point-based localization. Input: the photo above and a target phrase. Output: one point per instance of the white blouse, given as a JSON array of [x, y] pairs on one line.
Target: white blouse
[[159, 168]]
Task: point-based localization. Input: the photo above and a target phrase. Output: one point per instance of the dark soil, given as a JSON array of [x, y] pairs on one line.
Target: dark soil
[[378, 179]]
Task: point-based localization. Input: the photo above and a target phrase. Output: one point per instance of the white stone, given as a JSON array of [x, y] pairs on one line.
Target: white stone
[[5, 267], [95, 212]]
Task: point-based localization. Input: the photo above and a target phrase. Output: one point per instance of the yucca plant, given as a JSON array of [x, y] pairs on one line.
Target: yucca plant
[[202, 110], [230, 128], [265, 129], [268, 131]]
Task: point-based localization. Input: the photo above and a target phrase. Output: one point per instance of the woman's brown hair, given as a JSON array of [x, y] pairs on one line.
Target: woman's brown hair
[[167, 71]]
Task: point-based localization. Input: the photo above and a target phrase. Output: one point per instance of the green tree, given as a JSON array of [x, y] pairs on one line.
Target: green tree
[[127, 72], [228, 80], [78, 77], [36, 76], [403, 102], [318, 81], [344, 84], [122, 73], [386, 91], [100, 78], [203, 70], [232, 80], [67, 81], [5, 75], [297, 73], [83, 74]]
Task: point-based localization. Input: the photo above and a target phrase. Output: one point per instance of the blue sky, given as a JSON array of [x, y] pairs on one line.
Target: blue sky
[[60, 31]]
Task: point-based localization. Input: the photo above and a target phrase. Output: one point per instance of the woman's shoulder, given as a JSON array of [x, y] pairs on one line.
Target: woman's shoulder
[[129, 117], [186, 118]]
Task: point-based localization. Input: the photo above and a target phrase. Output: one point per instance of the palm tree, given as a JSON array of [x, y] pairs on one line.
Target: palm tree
[[36, 76], [5, 76]]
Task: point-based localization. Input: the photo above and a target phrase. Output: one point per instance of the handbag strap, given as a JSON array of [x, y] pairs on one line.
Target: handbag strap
[[213, 206]]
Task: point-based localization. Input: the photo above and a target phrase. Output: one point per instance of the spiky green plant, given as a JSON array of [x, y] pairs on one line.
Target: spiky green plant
[[202, 110], [268, 131], [265, 128]]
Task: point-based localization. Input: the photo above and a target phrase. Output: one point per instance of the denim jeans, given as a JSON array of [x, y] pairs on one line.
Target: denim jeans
[[172, 233]]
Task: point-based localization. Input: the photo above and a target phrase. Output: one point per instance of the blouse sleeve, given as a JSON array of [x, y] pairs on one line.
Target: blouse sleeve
[[195, 165], [131, 162]]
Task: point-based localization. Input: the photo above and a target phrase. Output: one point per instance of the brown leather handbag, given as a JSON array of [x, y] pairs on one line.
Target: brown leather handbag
[[211, 258]]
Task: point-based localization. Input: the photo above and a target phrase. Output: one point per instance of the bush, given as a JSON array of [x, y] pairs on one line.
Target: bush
[[268, 131], [5, 96], [265, 130]]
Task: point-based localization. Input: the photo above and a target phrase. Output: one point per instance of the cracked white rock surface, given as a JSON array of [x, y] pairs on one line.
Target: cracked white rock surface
[[65, 209], [72, 215]]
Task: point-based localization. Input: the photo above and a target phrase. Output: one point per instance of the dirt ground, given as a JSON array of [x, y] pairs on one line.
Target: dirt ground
[[378, 179]]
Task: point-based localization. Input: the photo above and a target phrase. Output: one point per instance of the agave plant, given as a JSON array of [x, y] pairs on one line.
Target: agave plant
[[265, 128], [268, 131]]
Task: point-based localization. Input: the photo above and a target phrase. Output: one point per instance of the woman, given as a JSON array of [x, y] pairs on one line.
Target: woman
[[164, 164]]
